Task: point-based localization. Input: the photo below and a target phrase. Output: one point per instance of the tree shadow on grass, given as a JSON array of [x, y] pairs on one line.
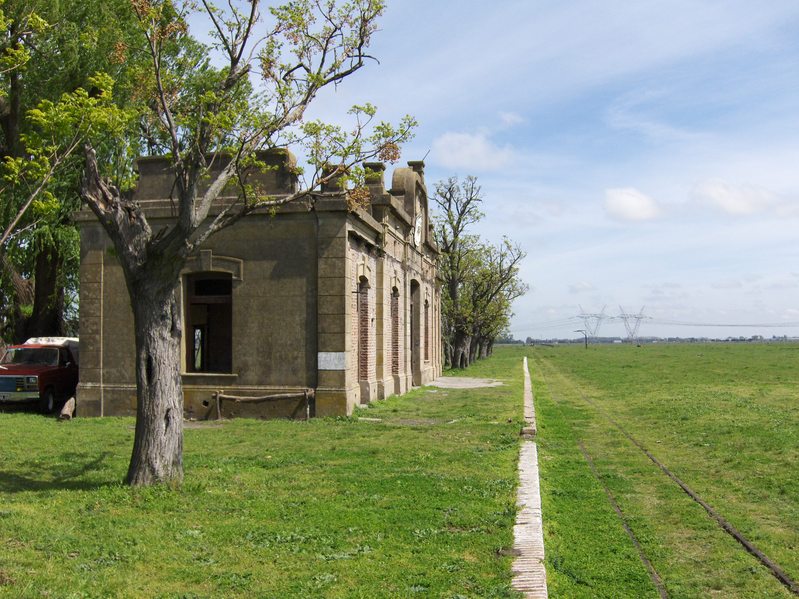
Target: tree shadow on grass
[[72, 475]]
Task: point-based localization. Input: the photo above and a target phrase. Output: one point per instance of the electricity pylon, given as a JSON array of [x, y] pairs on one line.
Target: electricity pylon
[[632, 322], [592, 322]]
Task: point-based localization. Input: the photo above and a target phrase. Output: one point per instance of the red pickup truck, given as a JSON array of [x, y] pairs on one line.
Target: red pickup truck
[[43, 369]]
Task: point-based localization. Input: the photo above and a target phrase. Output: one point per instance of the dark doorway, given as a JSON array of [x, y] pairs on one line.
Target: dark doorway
[[416, 337], [209, 323], [395, 331], [363, 330], [426, 331]]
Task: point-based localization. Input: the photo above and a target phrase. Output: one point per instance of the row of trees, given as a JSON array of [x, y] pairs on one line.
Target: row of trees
[[480, 280]]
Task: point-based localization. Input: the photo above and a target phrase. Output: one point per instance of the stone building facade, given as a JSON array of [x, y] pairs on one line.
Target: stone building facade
[[319, 296]]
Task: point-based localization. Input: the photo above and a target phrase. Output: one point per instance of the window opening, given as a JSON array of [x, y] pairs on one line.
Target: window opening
[[416, 337], [210, 322], [363, 330], [426, 330]]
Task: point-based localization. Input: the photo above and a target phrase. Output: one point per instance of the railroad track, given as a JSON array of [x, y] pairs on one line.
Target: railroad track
[[723, 523]]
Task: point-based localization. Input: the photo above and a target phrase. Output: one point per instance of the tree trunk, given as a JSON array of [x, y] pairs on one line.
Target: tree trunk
[[152, 276], [48, 297], [23, 297], [42, 294], [474, 348], [460, 350], [158, 445]]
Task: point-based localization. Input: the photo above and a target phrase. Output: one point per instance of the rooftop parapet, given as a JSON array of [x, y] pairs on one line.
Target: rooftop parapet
[[278, 177]]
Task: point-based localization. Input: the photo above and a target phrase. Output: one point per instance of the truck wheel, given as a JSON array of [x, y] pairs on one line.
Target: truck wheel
[[47, 402]]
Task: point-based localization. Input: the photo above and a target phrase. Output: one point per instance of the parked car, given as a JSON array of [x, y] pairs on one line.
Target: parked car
[[42, 370]]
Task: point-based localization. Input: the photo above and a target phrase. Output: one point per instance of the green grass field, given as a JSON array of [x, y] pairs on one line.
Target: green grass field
[[723, 418], [419, 500], [421, 503]]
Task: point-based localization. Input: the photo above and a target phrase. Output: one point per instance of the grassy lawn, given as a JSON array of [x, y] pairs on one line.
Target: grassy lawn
[[419, 503], [723, 418], [418, 500]]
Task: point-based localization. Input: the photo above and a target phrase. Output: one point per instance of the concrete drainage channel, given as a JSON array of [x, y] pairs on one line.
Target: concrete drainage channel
[[529, 574]]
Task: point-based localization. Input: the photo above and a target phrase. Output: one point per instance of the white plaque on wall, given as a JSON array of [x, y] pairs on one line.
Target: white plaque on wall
[[331, 360]]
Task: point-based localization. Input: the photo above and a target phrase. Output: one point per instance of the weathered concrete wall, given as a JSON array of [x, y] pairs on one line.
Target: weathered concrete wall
[[274, 310], [107, 341]]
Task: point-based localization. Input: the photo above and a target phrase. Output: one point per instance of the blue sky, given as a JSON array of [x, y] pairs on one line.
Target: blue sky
[[643, 153]]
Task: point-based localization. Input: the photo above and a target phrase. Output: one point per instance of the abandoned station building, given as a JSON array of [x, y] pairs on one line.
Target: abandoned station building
[[338, 303]]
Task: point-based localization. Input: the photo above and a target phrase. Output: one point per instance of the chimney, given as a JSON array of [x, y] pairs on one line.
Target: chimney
[[374, 176], [334, 183]]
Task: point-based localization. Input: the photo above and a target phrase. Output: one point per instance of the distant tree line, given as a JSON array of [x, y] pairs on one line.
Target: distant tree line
[[480, 280]]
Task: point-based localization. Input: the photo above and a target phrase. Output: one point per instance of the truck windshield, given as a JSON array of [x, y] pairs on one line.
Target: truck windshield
[[47, 356]]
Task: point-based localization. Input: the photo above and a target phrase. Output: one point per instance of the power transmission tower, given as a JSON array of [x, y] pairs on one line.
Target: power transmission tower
[[632, 322], [592, 322]]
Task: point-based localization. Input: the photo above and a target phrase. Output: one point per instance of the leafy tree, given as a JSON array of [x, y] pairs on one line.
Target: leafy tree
[[459, 205], [209, 113], [51, 97], [492, 288], [480, 280]]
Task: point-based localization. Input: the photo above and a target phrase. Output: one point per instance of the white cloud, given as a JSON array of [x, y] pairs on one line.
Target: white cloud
[[629, 113], [728, 284], [473, 152], [581, 287], [783, 284], [665, 290], [738, 200], [629, 204], [788, 209], [510, 119]]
